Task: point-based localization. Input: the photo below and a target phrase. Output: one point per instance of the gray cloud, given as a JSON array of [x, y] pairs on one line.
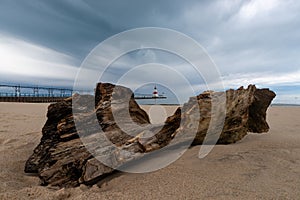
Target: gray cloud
[[243, 37]]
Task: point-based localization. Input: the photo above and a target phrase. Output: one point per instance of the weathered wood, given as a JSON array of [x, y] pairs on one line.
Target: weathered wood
[[115, 130]]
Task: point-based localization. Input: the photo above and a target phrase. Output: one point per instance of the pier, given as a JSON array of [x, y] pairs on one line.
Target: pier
[[33, 94], [149, 97], [42, 94], [31, 99]]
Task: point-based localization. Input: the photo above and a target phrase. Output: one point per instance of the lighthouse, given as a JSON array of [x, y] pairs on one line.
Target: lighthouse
[[155, 92], [153, 95]]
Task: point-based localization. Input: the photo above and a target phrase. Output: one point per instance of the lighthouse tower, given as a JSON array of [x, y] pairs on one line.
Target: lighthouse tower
[[155, 92]]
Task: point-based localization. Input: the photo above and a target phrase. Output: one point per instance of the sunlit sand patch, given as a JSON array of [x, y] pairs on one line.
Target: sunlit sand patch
[[157, 114]]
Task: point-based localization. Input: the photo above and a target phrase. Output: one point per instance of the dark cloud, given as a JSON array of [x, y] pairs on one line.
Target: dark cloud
[[75, 27], [243, 37]]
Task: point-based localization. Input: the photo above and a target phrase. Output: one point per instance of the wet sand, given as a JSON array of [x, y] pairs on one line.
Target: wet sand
[[261, 166]]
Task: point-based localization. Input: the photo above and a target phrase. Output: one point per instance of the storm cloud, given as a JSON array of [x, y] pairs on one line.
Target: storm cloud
[[250, 41]]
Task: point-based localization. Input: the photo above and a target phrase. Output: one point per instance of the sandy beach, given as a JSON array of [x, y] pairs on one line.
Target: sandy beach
[[261, 166]]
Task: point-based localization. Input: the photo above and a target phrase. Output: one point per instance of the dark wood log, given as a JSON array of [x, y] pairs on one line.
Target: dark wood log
[[83, 142]]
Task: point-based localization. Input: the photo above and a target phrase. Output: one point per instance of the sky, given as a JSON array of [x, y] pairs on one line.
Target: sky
[[45, 42]]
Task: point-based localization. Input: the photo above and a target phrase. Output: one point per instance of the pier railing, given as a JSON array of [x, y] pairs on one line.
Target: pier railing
[[34, 94]]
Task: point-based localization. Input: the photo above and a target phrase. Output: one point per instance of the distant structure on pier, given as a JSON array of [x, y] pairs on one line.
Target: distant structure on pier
[[154, 95], [155, 92]]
